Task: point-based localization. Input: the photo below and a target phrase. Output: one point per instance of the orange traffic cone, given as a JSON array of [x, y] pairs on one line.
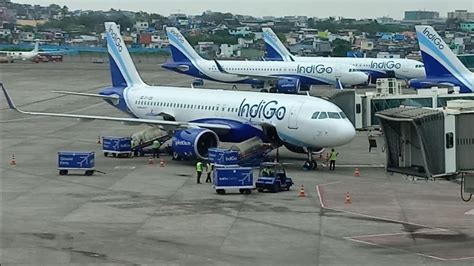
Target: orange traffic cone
[[357, 172], [12, 160], [162, 162], [302, 194], [98, 140], [150, 160], [348, 199]]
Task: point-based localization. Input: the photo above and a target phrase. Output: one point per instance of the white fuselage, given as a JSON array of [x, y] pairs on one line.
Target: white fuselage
[[321, 73], [312, 74], [291, 115], [19, 55], [403, 68]]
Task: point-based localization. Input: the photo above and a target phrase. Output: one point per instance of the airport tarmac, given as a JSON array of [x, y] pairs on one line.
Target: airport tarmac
[[138, 213]]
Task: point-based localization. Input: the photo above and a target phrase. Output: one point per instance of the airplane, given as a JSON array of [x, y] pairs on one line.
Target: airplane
[[200, 118], [374, 67], [283, 77], [443, 68], [13, 55]]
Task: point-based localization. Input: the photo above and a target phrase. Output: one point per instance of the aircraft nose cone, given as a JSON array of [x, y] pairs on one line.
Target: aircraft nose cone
[[362, 78], [346, 133]]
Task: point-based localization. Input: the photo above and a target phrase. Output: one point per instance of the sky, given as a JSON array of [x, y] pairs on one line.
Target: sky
[[313, 8]]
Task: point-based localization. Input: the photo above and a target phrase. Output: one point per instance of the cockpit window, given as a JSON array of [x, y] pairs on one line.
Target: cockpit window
[[315, 115], [323, 115], [334, 115], [343, 115], [419, 66]]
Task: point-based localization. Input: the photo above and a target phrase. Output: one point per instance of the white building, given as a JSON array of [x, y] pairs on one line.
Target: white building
[[141, 25], [229, 50]]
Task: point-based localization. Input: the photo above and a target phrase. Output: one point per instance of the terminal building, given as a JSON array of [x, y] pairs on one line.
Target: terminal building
[[361, 107]]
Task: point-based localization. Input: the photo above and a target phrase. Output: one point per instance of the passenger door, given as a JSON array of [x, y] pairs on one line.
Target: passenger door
[[293, 116]]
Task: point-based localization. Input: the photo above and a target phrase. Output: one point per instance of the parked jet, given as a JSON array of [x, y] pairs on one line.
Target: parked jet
[[374, 67], [13, 55], [442, 66], [200, 118], [285, 77]]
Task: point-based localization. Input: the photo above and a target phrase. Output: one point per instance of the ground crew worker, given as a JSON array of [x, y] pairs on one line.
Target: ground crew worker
[[140, 148], [332, 159], [156, 148], [208, 172], [132, 146], [199, 171]]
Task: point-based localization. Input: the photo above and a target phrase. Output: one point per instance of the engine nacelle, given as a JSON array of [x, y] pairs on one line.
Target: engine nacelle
[[193, 143], [288, 85]]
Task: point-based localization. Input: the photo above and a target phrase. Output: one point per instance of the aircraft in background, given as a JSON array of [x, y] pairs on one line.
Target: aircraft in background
[[11, 56], [201, 118], [374, 67], [17, 55], [443, 68], [284, 77]]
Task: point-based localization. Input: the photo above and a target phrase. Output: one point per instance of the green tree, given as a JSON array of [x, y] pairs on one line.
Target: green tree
[[340, 48]]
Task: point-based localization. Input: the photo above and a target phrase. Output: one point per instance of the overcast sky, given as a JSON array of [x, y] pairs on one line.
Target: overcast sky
[[316, 8]]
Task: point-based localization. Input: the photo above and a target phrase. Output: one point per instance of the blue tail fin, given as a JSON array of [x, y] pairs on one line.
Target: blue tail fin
[[275, 50], [122, 68], [438, 58], [181, 50]]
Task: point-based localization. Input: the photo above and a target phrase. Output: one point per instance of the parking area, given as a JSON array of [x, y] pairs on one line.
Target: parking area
[[140, 213]]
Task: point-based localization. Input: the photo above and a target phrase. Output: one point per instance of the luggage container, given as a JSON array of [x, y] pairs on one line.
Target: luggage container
[[225, 178], [220, 156], [116, 146], [76, 160]]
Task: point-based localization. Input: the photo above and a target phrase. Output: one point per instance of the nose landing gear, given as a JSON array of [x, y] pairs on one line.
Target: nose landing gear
[[310, 163]]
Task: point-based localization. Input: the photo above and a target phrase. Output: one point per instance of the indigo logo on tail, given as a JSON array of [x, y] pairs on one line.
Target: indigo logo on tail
[[434, 38], [272, 36], [116, 38], [178, 36]]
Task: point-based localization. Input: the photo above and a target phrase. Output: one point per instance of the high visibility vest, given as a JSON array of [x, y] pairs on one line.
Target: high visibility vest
[[333, 156], [199, 167], [156, 144]]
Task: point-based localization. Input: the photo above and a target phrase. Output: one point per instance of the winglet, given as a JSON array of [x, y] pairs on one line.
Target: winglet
[[220, 68], [10, 102], [339, 85]]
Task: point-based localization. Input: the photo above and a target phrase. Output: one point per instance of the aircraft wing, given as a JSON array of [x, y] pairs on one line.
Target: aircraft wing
[[112, 97], [173, 124]]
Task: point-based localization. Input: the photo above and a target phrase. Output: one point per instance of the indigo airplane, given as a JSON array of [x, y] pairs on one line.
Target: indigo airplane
[[374, 67], [284, 77], [442, 66], [201, 118]]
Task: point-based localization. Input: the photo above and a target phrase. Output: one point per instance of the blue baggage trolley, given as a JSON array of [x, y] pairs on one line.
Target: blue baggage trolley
[[240, 178], [76, 160], [117, 146]]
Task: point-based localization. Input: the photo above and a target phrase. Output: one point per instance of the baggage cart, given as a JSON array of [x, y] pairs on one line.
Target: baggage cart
[[117, 146], [225, 178], [76, 160]]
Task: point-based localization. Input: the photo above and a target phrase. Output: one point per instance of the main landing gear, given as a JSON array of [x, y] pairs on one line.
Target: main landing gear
[[310, 163]]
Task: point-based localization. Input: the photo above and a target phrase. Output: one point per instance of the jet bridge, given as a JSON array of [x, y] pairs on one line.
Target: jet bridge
[[431, 143]]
